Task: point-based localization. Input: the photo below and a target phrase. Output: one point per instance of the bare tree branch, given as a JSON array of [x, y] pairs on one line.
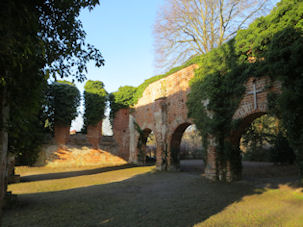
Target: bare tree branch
[[185, 28]]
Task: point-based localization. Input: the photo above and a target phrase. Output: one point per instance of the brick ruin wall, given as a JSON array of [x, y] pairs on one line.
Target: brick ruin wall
[[162, 109]]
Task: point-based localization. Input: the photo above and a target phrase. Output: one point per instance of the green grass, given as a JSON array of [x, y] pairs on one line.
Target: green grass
[[140, 196]]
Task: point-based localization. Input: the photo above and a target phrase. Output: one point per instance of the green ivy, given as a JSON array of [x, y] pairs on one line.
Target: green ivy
[[123, 98], [63, 101], [271, 46], [95, 97], [275, 44]]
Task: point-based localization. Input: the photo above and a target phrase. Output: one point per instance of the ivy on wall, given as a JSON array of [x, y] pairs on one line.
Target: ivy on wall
[[271, 46], [95, 97], [123, 98]]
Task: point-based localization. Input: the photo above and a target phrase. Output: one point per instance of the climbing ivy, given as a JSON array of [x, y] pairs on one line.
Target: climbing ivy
[[63, 98], [95, 97], [271, 46], [123, 98]]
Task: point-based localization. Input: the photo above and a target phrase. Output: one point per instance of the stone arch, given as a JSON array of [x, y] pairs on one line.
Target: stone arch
[[174, 146], [141, 144], [235, 139]]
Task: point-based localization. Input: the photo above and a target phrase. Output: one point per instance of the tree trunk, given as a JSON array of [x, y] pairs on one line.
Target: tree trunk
[[4, 115]]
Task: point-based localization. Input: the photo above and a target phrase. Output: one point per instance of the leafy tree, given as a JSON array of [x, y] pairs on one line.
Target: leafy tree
[[187, 28], [38, 39], [95, 97]]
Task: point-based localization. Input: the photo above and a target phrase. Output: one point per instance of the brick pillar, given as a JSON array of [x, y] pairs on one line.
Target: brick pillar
[[211, 168], [61, 134], [160, 117], [94, 134], [121, 130]]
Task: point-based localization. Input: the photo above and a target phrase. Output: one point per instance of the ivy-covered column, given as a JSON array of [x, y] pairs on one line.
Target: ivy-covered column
[[95, 97], [160, 117], [64, 98]]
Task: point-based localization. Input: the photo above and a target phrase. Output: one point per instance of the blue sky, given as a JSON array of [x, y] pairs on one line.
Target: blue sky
[[122, 31]]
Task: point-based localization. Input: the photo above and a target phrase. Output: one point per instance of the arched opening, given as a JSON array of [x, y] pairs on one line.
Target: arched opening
[[147, 147], [264, 147], [186, 148]]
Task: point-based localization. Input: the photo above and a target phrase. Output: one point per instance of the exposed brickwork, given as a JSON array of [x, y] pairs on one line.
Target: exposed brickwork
[[121, 132], [94, 134], [61, 134], [162, 109], [247, 104]]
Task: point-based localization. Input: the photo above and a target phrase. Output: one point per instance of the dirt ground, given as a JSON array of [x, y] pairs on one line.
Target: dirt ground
[[139, 196]]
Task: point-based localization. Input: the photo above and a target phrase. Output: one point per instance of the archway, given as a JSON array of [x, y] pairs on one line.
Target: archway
[[185, 145], [146, 147], [264, 147]]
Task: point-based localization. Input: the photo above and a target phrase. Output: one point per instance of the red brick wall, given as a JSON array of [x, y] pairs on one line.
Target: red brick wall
[[94, 134], [121, 132], [62, 134]]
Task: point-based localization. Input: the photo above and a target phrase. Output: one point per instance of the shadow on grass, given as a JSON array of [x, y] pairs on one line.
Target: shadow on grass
[[60, 175], [151, 199]]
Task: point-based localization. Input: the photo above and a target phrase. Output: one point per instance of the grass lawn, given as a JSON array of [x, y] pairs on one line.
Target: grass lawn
[[140, 196]]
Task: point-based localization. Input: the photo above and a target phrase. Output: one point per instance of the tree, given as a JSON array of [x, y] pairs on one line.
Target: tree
[[38, 39], [186, 28]]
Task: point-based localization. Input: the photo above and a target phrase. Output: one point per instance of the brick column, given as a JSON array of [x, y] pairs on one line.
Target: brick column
[[61, 134], [94, 134], [160, 116], [211, 168], [121, 130]]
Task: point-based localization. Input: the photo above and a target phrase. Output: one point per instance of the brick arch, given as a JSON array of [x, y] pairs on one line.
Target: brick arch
[[162, 108], [174, 145], [254, 100], [141, 144], [244, 125]]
